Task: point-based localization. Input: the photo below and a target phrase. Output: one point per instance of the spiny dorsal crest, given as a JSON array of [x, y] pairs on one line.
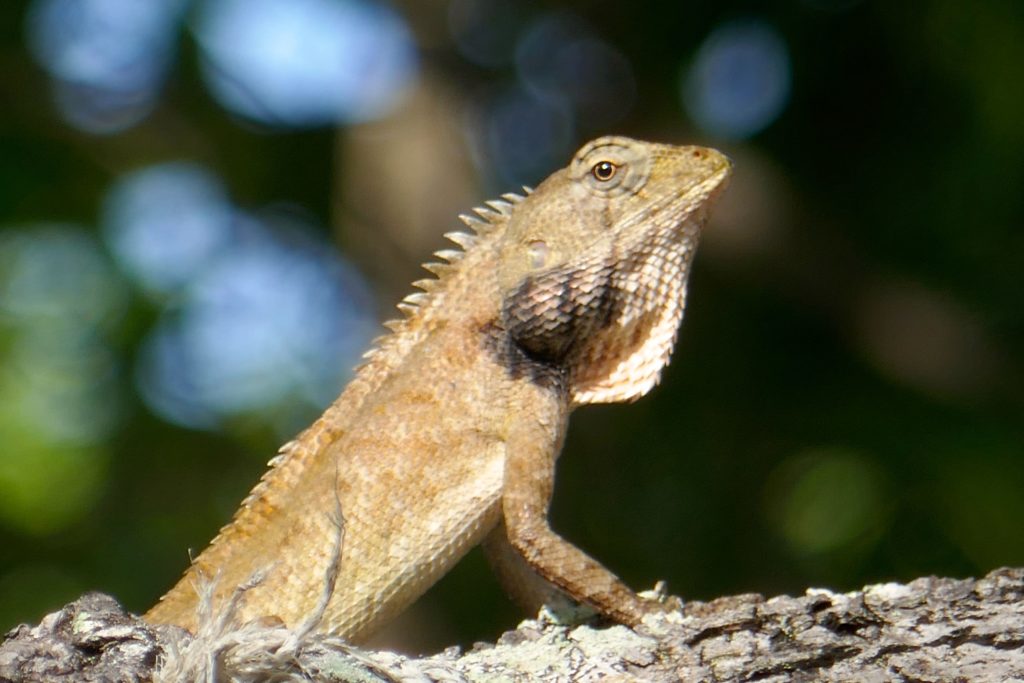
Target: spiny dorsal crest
[[483, 222], [384, 350]]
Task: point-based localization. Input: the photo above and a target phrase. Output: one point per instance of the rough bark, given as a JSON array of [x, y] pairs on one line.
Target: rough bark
[[931, 630]]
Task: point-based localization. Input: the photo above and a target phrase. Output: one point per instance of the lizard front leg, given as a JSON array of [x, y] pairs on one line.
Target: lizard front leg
[[524, 586], [528, 484]]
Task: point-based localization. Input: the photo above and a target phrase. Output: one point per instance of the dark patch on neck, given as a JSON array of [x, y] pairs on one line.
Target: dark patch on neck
[[547, 317], [549, 314], [520, 363]]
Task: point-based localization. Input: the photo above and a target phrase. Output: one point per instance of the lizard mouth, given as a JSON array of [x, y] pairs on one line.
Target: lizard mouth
[[697, 191]]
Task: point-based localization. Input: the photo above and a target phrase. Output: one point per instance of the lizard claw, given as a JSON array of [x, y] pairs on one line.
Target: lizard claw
[[659, 601], [566, 614]]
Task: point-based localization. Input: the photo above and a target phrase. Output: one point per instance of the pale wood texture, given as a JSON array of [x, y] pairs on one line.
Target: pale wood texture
[[928, 631]]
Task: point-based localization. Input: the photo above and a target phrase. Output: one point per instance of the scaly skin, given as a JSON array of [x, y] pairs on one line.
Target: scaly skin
[[449, 433]]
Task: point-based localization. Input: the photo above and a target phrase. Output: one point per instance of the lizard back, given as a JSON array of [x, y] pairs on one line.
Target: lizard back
[[416, 477]]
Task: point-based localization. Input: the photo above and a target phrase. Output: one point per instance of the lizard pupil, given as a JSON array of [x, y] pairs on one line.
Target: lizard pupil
[[604, 170]]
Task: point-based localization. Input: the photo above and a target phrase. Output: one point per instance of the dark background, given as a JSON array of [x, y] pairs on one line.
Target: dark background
[[844, 404]]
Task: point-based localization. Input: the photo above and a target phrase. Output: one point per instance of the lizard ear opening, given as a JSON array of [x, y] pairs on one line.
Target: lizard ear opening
[[538, 252]]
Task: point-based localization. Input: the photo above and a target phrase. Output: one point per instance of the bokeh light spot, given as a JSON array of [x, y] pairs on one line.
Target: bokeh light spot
[[981, 505], [525, 137], [59, 302], [739, 81], [56, 277], [45, 486], [300, 63], [272, 326], [108, 58], [165, 222], [559, 58], [485, 30], [826, 501], [926, 340]]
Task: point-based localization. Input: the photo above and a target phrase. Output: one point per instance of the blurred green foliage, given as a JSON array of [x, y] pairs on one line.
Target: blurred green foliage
[[844, 406]]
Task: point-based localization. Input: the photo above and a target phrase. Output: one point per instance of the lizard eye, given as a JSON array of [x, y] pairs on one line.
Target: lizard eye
[[604, 170]]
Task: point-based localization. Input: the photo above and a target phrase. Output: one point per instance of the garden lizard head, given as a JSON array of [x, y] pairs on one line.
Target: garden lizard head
[[594, 263]]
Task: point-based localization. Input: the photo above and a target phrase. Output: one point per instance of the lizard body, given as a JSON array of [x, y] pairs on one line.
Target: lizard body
[[448, 434]]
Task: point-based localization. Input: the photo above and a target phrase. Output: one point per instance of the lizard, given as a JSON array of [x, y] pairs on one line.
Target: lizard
[[448, 433]]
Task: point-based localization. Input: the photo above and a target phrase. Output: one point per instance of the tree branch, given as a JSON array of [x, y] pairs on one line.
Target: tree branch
[[930, 630]]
